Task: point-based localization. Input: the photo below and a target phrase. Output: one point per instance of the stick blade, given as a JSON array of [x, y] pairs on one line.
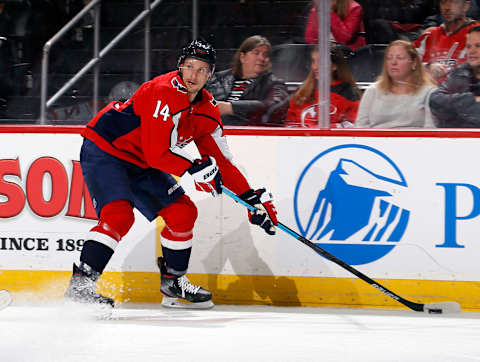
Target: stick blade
[[442, 307]]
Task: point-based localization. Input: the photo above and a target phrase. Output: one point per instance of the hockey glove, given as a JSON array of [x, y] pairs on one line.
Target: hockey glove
[[265, 216], [206, 176]]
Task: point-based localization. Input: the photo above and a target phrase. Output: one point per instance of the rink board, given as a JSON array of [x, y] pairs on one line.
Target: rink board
[[402, 207], [47, 286]]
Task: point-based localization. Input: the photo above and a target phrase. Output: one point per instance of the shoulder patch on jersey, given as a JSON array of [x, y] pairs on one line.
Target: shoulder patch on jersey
[[213, 101], [176, 84]]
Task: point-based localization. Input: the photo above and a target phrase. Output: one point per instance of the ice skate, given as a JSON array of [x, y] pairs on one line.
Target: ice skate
[[179, 292], [82, 288]]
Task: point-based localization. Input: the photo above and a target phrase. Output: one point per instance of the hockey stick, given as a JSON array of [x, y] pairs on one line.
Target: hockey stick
[[436, 308], [5, 299]]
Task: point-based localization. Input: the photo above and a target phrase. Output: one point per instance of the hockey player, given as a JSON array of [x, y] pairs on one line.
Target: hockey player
[[129, 154]]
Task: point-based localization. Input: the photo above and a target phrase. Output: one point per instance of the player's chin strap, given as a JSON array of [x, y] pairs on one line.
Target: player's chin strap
[[440, 307]]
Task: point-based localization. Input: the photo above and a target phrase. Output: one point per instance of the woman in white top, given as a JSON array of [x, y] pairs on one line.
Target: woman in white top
[[399, 97]]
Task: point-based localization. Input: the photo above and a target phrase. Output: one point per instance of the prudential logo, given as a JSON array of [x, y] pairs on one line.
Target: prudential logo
[[350, 200]]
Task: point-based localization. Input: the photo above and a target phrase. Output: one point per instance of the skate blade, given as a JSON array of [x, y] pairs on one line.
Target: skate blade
[[169, 302], [5, 299]]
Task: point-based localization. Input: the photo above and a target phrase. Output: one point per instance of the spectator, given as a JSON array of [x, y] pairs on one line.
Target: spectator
[[443, 47], [436, 19], [344, 95], [389, 20], [346, 24], [456, 103], [399, 98], [249, 94]]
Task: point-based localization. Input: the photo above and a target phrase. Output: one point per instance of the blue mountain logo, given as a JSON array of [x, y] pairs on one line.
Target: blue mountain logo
[[350, 200]]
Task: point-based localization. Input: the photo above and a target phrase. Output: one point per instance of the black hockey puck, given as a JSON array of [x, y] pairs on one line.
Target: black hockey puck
[[435, 311]]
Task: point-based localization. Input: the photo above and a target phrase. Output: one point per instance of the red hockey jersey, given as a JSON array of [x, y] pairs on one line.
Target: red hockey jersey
[[344, 103], [152, 128], [436, 45]]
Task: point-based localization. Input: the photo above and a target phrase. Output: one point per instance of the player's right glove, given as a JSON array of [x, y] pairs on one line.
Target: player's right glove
[[206, 175], [266, 215]]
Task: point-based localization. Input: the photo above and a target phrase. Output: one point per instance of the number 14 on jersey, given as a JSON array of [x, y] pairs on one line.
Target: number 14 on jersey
[[165, 111]]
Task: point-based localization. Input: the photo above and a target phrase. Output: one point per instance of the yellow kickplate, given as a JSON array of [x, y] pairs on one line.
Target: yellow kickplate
[[44, 285]]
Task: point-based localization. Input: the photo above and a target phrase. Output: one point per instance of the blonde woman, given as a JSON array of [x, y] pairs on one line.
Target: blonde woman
[[400, 96]]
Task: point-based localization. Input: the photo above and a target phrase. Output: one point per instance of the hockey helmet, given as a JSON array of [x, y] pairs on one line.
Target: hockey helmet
[[201, 50]]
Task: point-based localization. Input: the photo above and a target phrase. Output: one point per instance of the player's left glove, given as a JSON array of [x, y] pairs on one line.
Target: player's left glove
[[206, 175], [266, 215]]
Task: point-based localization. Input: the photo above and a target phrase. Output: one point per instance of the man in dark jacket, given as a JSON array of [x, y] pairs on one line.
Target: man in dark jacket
[[456, 104], [249, 94]]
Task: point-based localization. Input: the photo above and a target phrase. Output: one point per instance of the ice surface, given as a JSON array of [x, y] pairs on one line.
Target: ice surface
[[146, 332]]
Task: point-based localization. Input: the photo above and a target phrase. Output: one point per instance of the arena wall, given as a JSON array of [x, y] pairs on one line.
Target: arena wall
[[401, 206]]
